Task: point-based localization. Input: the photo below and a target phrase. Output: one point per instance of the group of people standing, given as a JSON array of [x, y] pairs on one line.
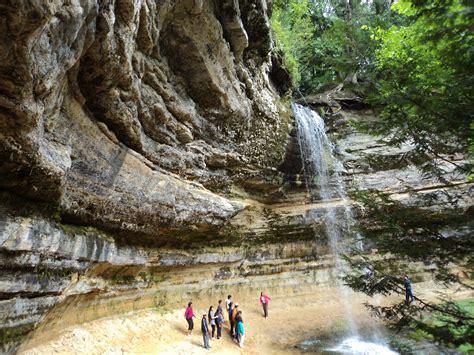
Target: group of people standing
[[216, 320], [237, 330]]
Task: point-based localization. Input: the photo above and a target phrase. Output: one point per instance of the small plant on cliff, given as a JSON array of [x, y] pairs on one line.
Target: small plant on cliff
[[56, 214]]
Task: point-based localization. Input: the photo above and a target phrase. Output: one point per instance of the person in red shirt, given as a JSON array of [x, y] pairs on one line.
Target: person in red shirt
[[264, 302], [189, 314]]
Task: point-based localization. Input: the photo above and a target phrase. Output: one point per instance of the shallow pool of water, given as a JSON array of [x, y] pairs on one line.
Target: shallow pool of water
[[349, 345], [355, 345]]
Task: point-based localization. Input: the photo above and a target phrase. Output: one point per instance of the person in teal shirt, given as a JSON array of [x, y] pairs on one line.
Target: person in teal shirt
[[240, 330]]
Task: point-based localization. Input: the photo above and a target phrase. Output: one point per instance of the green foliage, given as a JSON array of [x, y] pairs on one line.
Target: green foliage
[[424, 85], [57, 213], [10, 337], [462, 332], [423, 92], [403, 235], [292, 29], [327, 42], [414, 63], [471, 152], [455, 329], [409, 230], [401, 346]]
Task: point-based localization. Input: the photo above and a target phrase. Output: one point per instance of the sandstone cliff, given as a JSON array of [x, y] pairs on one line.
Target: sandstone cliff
[[120, 122], [146, 156], [109, 109]]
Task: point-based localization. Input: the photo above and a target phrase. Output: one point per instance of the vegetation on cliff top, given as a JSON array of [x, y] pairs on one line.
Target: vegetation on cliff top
[[411, 60]]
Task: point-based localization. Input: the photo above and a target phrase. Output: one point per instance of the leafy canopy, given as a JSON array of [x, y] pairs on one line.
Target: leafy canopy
[[424, 71], [326, 42]]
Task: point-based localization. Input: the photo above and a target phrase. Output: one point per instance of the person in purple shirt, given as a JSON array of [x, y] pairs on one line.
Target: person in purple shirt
[[219, 322]]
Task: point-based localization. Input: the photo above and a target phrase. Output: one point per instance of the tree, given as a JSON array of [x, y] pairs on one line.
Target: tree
[[423, 94], [424, 85], [404, 235], [324, 42], [414, 61]]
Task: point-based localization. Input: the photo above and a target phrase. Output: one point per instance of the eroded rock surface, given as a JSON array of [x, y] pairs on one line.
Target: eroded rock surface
[[146, 157], [107, 106]]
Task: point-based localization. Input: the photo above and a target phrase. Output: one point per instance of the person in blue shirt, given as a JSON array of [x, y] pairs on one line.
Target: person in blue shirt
[[409, 298]]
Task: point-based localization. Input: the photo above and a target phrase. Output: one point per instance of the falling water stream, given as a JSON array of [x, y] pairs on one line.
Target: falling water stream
[[322, 171]]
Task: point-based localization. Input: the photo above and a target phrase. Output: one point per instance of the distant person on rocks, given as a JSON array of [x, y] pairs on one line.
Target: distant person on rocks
[[264, 302], [232, 319], [189, 314], [219, 322], [212, 320], [205, 332], [238, 318], [409, 298], [241, 331]]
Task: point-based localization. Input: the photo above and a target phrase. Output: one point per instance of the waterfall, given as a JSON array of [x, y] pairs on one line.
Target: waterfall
[[322, 172]]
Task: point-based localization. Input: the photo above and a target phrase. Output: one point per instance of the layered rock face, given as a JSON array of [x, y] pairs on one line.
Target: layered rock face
[[125, 116], [146, 157], [107, 106]]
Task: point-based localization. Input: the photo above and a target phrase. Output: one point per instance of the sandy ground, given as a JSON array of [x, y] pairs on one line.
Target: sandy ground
[[292, 318]]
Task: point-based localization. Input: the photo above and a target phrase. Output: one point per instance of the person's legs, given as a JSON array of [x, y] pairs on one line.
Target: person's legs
[[219, 331], [206, 340], [190, 325], [265, 310], [407, 296], [242, 339], [213, 329], [412, 298], [231, 327]]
